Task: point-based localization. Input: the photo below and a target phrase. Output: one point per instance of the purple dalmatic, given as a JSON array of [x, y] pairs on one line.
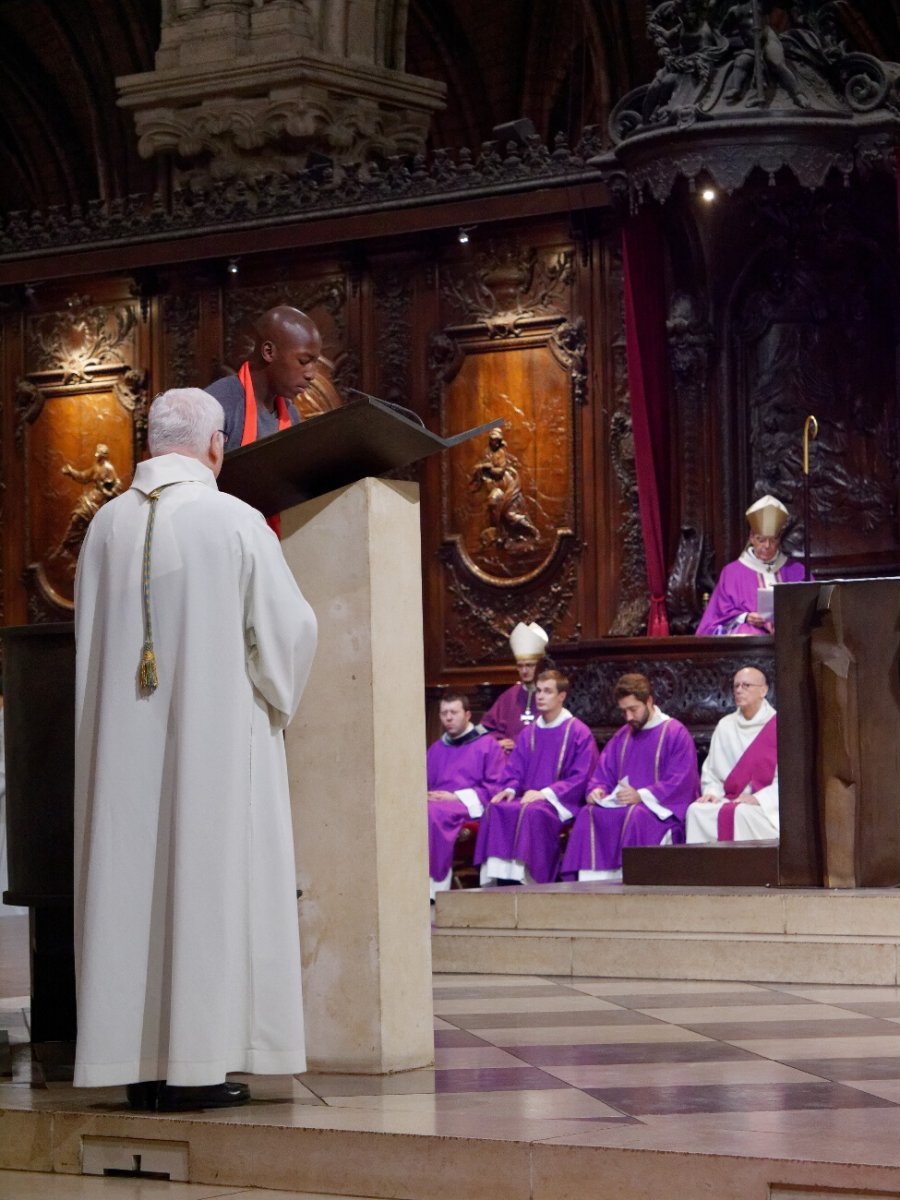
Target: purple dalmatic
[[660, 762], [510, 712], [735, 594], [470, 765], [518, 840]]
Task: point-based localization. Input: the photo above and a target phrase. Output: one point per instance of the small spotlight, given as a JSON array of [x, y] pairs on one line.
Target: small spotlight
[[463, 236], [233, 266], [708, 195]]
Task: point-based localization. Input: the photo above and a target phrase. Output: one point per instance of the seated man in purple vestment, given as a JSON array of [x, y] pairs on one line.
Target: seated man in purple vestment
[[543, 787], [638, 795], [739, 780], [514, 708], [464, 770], [733, 607]]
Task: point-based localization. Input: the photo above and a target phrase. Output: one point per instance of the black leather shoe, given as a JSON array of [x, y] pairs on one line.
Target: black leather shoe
[[215, 1095], [144, 1096]]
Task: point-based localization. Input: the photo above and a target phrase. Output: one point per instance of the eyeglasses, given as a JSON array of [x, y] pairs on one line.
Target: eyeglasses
[[739, 686]]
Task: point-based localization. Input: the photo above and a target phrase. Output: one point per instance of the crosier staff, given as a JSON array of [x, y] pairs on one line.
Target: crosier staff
[[810, 428]]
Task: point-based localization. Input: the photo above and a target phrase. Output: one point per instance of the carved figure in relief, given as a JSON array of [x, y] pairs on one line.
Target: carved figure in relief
[[687, 46], [101, 484], [498, 474], [758, 49]]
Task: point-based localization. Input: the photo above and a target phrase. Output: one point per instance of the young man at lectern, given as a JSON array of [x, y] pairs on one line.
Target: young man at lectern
[[259, 400], [193, 646]]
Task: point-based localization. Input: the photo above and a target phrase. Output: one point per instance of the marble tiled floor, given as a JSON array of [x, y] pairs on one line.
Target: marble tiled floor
[[613, 1061], [787, 1074]]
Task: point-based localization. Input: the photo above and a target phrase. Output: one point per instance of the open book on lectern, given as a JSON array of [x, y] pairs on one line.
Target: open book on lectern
[[364, 437]]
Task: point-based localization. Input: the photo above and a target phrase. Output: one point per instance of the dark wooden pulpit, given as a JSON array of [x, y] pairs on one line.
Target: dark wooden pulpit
[[837, 659], [39, 728]]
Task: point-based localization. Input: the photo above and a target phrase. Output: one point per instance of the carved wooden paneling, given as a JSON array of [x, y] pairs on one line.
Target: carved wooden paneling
[[813, 332], [691, 678], [393, 303], [633, 600], [509, 539], [74, 424], [181, 318], [81, 417]]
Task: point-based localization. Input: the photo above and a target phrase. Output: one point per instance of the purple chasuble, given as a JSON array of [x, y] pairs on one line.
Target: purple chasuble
[[735, 594], [504, 718], [662, 759], [452, 767], [560, 758]]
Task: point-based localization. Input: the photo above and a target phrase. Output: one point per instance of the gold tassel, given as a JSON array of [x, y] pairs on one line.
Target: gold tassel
[[148, 677]]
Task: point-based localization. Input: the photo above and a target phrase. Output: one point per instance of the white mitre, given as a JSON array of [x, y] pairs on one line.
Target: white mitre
[[528, 642], [767, 516]]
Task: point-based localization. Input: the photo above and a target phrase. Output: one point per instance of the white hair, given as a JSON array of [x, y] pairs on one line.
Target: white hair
[[183, 420]]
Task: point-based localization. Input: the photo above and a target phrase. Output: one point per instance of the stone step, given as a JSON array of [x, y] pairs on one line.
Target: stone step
[[765, 934], [328, 1153]]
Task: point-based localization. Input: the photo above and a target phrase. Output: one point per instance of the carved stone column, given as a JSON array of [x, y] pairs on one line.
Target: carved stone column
[[241, 88]]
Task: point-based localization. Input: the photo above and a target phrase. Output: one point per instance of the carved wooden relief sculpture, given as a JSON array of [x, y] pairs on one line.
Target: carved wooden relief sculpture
[[508, 526], [81, 424], [509, 544], [101, 483]]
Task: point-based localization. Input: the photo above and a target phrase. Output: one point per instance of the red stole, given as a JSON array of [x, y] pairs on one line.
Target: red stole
[[250, 422], [755, 769]]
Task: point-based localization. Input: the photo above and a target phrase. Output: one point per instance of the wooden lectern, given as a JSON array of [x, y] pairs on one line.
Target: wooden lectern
[[837, 657], [356, 752]]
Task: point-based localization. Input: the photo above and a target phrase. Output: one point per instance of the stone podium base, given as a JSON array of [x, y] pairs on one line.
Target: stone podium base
[[356, 761]]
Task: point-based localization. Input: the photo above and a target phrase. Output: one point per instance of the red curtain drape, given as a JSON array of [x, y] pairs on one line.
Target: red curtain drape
[[646, 352]]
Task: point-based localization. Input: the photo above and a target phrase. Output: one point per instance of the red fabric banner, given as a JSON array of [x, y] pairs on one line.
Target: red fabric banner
[[648, 385]]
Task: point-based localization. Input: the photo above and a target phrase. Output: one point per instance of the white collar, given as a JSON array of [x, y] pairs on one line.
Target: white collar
[[171, 468], [749, 559], [565, 715], [762, 716], [658, 718]]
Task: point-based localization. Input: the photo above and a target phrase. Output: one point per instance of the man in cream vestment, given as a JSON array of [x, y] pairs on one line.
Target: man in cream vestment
[[194, 644], [739, 779]]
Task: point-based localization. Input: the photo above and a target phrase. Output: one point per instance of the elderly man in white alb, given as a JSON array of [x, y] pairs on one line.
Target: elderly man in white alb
[[194, 644], [739, 780]]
